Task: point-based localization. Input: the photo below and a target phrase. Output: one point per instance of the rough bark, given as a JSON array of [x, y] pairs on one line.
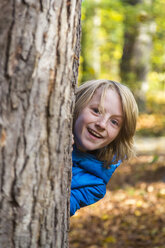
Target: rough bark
[[39, 51]]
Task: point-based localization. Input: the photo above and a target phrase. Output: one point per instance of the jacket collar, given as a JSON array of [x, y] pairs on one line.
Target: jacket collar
[[91, 164]]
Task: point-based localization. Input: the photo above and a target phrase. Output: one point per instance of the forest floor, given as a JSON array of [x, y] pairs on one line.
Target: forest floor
[[132, 214]]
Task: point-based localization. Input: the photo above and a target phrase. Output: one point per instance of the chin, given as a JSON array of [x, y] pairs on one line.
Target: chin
[[85, 148], [90, 148]]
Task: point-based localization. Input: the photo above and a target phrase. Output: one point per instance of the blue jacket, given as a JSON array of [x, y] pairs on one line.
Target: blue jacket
[[89, 179]]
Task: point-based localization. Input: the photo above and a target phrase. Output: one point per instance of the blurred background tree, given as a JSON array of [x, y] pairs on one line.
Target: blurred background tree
[[125, 41], [139, 28]]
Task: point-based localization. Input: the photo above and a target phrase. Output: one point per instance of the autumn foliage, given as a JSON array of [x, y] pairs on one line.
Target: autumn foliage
[[131, 215]]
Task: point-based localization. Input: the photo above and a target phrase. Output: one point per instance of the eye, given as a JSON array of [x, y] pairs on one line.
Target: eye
[[115, 122], [96, 110]]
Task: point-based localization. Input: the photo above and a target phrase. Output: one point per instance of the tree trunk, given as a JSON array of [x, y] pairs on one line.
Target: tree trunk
[[39, 51], [135, 63]]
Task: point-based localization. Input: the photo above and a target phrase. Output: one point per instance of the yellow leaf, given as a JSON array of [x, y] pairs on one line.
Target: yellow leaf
[[137, 213], [139, 203], [105, 217], [110, 239]]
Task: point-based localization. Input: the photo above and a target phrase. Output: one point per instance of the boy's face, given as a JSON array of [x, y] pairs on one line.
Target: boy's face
[[95, 129]]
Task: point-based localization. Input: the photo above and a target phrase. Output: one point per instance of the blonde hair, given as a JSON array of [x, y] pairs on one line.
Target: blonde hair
[[123, 146]]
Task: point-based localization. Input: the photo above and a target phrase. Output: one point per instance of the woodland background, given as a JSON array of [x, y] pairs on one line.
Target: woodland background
[[125, 41]]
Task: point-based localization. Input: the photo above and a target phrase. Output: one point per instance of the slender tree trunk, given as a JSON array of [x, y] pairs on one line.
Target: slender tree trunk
[[135, 63], [39, 52]]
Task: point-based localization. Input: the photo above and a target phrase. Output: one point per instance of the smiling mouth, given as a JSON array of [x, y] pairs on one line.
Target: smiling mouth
[[94, 133]]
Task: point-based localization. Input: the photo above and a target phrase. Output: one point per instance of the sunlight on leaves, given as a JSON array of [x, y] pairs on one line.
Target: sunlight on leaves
[[110, 239]]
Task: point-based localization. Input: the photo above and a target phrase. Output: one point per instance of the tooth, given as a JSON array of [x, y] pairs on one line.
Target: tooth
[[96, 134]]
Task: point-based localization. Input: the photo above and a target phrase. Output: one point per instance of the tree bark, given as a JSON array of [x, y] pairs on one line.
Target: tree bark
[[39, 51]]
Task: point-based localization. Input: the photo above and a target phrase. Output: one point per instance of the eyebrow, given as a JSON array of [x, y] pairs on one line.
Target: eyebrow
[[99, 105], [120, 116]]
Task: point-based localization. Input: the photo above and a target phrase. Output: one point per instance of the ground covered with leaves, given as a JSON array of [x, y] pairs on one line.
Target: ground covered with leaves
[[132, 214]]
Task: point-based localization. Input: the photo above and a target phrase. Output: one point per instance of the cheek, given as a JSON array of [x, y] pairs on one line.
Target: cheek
[[117, 134], [78, 126], [113, 133]]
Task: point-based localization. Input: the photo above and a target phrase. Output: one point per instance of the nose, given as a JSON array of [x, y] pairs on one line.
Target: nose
[[101, 122]]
